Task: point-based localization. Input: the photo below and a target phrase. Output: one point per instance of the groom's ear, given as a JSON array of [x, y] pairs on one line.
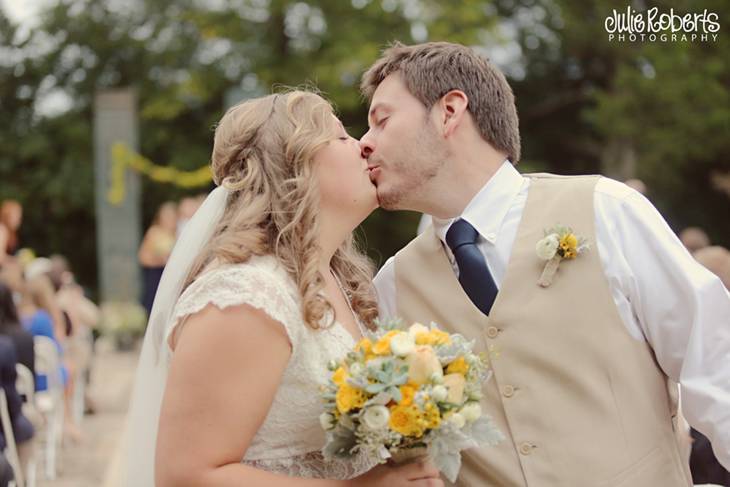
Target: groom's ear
[[453, 108]]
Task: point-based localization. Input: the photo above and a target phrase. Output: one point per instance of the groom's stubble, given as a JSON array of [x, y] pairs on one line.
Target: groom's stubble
[[419, 161]]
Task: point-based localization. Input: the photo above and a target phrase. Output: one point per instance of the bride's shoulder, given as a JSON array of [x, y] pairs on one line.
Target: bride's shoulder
[[260, 282], [259, 269]]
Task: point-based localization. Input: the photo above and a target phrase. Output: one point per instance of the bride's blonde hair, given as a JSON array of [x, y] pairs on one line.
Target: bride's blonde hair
[[263, 152]]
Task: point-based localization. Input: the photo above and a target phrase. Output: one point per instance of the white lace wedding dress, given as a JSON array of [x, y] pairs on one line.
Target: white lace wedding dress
[[290, 439]]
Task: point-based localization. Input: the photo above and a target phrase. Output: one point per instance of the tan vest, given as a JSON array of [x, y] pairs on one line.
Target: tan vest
[[581, 402]]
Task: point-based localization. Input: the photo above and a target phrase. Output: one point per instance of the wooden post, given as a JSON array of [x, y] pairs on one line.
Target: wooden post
[[117, 227]]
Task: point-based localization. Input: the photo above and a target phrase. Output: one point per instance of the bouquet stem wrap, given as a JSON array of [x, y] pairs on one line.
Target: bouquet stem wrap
[[410, 455]]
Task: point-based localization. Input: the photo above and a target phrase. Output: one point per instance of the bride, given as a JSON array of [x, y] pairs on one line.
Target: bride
[[264, 287]]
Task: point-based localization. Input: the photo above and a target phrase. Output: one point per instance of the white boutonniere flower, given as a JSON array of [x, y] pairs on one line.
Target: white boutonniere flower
[[559, 243]]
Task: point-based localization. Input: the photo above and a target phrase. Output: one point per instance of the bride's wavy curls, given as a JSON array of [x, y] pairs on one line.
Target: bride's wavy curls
[[263, 152]]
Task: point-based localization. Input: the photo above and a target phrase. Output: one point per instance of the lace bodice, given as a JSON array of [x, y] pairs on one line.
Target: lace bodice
[[290, 439]]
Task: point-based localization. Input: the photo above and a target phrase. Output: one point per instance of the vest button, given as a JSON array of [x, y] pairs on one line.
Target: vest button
[[508, 391], [525, 448], [492, 332]]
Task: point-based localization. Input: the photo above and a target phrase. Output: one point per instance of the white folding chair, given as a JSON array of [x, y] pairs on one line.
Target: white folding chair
[[11, 449], [25, 385], [50, 401]]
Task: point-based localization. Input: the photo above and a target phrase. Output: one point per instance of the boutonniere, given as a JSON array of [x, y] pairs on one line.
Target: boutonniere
[[559, 243]]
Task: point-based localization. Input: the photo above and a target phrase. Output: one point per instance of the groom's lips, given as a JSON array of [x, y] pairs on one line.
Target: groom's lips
[[374, 170]]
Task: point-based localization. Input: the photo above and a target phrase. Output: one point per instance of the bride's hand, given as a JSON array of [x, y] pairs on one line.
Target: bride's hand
[[417, 474]]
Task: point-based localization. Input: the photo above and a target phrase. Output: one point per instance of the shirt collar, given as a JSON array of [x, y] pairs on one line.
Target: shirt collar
[[486, 211]]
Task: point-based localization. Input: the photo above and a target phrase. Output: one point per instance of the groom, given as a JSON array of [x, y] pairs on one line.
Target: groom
[[585, 370]]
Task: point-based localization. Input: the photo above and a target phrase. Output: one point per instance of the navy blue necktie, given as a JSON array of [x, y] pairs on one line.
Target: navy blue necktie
[[474, 274]]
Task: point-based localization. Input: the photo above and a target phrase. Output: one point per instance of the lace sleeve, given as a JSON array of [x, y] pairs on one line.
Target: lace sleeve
[[237, 284]]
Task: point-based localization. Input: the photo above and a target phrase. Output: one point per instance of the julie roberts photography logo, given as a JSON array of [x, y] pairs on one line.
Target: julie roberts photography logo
[[655, 26]]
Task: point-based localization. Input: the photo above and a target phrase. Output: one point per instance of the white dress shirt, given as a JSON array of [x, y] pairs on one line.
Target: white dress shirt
[[662, 294]]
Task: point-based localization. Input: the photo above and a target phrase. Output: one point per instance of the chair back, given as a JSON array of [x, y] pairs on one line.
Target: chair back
[[11, 449]]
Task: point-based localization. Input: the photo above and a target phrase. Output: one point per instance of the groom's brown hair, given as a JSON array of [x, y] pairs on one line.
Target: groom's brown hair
[[431, 70]]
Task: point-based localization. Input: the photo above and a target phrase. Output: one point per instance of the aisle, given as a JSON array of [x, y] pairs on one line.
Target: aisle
[[85, 465]]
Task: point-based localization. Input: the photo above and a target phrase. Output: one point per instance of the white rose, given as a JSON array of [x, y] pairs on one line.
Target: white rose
[[402, 344], [472, 411], [327, 421], [375, 417], [548, 246], [458, 420], [417, 328], [439, 393]]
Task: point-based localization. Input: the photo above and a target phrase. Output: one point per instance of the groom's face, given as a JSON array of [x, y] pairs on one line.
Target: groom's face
[[403, 147]]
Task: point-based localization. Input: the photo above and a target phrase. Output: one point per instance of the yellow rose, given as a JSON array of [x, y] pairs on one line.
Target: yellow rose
[[408, 392], [340, 376], [454, 383], [382, 346], [365, 345], [458, 366], [422, 365], [407, 420], [433, 337], [349, 398]]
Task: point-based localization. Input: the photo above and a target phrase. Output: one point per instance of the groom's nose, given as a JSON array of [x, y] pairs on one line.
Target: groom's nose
[[367, 147]]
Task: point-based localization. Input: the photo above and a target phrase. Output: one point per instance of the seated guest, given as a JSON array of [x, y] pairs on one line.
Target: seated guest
[[6, 471], [10, 327], [22, 428]]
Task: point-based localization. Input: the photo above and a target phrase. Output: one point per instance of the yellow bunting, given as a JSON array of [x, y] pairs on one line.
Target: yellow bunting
[[123, 157]]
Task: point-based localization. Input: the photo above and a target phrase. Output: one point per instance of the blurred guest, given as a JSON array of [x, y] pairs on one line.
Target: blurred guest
[[11, 216], [35, 317], [42, 316], [83, 315], [703, 463], [155, 250], [717, 260], [636, 184], [694, 239], [10, 327], [185, 211], [44, 295], [22, 427], [6, 471]]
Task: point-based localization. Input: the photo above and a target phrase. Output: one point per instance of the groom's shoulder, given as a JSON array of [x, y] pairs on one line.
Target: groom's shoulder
[[605, 187]]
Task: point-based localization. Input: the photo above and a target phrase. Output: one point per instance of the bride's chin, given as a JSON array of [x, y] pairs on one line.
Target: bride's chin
[[373, 202]]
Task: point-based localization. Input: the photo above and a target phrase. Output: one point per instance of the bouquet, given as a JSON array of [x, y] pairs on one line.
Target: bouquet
[[403, 393]]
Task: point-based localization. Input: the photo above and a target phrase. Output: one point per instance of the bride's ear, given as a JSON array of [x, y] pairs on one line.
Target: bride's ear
[[453, 106]]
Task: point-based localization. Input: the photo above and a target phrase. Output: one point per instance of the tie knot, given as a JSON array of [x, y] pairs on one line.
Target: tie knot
[[461, 233]]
